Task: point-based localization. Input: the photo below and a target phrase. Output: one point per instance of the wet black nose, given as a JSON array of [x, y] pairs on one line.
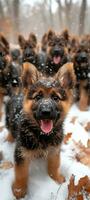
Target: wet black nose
[[46, 112], [82, 57], [58, 51], [27, 52], [2, 64]]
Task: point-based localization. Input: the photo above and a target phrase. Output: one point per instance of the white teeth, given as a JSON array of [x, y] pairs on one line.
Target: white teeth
[[14, 81], [41, 133], [88, 75]]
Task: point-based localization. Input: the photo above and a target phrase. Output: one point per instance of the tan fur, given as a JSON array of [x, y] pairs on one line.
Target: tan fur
[[27, 106], [29, 74], [53, 163], [20, 184], [1, 104], [67, 104], [10, 138], [84, 97]]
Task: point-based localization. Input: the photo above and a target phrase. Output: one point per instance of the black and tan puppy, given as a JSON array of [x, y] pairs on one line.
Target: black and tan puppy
[[55, 47], [81, 61], [29, 48], [4, 69], [15, 54], [14, 102], [40, 132]]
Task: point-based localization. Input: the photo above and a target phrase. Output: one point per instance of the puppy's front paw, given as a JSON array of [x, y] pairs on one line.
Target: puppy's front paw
[[19, 191], [58, 178]]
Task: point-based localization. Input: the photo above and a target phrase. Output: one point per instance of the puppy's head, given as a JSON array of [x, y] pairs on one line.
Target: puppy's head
[[29, 48], [47, 100], [56, 51], [81, 61], [15, 54], [4, 64]]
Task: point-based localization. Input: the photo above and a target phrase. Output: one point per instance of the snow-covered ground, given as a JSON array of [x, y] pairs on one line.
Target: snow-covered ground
[[41, 186]]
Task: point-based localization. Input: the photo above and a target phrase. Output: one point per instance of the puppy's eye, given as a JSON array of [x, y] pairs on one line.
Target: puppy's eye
[[38, 97], [51, 43], [55, 97]]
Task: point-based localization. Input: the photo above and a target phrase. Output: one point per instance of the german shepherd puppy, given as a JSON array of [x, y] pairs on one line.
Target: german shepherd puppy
[[56, 51], [40, 132], [14, 102], [4, 69], [15, 54], [29, 48], [81, 61]]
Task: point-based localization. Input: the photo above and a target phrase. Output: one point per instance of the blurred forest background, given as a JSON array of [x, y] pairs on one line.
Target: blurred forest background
[[25, 16]]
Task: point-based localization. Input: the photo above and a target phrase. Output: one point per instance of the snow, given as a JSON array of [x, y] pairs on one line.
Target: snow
[[41, 186]]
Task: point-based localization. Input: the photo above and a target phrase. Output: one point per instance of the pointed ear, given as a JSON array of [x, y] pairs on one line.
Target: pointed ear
[[44, 42], [74, 43], [66, 76], [4, 41], [21, 41], [44, 38], [50, 35], [30, 74], [33, 38], [65, 34]]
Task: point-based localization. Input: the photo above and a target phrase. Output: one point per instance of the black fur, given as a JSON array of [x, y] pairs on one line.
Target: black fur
[[27, 131], [13, 110]]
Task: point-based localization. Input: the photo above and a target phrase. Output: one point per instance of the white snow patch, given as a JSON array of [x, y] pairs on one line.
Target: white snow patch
[[41, 186]]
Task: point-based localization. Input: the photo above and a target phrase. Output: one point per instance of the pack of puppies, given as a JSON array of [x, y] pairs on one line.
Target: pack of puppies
[[41, 94]]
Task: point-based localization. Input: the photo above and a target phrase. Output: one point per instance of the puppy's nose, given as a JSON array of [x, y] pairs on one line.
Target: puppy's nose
[[46, 112], [56, 51], [27, 52], [2, 64], [83, 56]]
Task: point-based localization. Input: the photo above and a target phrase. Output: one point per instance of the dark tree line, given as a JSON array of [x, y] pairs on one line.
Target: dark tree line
[[17, 16]]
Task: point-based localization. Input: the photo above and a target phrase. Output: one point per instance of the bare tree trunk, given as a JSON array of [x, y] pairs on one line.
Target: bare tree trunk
[[68, 6], [51, 14], [13, 15], [9, 16], [16, 17], [43, 15], [2, 16], [82, 17], [60, 10]]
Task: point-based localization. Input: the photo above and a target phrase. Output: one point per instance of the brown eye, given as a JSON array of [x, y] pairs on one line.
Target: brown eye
[[38, 97], [55, 97], [51, 43]]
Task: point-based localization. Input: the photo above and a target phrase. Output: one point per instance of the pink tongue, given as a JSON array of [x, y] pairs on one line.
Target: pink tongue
[[46, 126], [56, 59]]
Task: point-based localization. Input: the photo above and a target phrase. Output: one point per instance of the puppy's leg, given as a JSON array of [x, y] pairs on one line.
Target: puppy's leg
[[10, 138], [21, 170], [83, 102], [1, 104], [54, 164]]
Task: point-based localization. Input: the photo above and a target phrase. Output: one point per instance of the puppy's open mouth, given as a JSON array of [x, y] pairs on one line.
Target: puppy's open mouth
[[46, 126], [57, 59]]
